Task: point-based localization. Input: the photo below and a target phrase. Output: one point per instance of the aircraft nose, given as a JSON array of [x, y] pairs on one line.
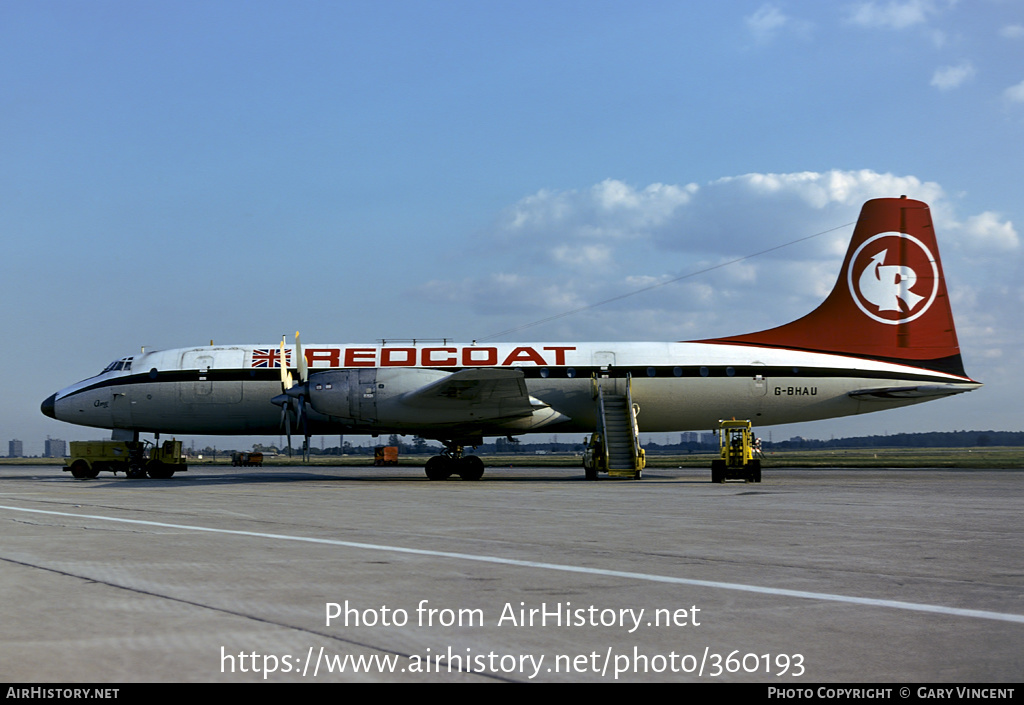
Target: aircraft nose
[[47, 407]]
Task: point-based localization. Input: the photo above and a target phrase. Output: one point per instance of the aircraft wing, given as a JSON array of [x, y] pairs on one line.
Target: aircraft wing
[[919, 392], [485, 392]]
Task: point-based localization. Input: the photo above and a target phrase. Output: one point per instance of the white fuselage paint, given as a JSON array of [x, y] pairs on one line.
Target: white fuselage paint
[[677, 386]]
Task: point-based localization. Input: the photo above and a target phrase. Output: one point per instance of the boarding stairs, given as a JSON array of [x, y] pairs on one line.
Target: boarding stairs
[[620, 434]]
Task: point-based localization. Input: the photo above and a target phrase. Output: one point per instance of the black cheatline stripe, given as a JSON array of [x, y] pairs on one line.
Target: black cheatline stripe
[[637, 372]]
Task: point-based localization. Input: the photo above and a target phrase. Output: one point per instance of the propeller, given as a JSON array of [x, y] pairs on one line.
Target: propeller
[[293, 396], [299, 392], [282, 400]]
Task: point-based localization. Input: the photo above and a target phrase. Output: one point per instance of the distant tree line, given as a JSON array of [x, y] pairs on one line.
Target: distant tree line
[[414, 445], [931, 439]]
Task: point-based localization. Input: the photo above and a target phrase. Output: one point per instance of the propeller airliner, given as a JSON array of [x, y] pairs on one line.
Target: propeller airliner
[[883, 338]]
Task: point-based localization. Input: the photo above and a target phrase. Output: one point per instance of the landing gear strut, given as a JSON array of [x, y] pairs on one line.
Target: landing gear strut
[[453, 462], [136, 459]]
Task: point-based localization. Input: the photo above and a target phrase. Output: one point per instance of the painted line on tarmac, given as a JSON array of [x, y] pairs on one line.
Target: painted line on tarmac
[[648, 577]]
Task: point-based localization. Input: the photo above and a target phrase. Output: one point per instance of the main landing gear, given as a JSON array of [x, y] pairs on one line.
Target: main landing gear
[[453, 462]]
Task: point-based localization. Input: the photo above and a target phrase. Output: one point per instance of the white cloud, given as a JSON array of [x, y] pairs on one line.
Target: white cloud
[[987, 231], [818, 190], [769, 21], [1012, 31], [607, 212], [588, 257], [766, 22], [566, 250], [892, 15], [950, 77], [1015, 94]]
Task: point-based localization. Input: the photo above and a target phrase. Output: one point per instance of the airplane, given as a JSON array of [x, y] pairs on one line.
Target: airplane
[[883, 338]]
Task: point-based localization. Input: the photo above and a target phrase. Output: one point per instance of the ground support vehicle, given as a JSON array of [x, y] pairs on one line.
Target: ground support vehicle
[[134, 458], [736, 461], [247, 460], [385, 455], [614, 447]]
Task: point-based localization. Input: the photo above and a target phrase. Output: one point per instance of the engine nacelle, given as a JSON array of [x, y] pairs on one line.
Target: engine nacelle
[[419, 397], [360, 394]]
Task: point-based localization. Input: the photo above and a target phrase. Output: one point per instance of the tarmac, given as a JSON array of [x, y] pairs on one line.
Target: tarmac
[[314, 574]]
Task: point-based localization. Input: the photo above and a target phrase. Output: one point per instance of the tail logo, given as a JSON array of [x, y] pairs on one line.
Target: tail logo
[[893, 278]]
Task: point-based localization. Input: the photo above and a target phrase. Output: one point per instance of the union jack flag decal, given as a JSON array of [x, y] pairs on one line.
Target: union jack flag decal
[[269, 357]]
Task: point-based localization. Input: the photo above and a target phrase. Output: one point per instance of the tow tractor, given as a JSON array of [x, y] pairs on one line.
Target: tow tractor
[[133, 458], [736, 444], [385, 455], [247, 460]]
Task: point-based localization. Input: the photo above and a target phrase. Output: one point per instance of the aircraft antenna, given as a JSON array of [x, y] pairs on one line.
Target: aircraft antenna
[[574, 311]]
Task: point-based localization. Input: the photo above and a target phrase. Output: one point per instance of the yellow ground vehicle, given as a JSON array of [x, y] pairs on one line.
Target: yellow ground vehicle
[[89, 458], [247, 460], [736, 445], [385, 455]]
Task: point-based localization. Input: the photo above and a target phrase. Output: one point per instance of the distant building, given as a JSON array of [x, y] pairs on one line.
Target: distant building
[[698, 437], [55, 448], [14, 449]]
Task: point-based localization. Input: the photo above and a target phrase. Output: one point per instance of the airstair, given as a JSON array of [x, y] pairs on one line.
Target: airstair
[[615, 447]]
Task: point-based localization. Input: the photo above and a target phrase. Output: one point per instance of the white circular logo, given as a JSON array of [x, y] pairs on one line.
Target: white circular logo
[[888, 278]]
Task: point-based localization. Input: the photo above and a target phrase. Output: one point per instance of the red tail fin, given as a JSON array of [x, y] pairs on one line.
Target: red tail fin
[[890, 302]]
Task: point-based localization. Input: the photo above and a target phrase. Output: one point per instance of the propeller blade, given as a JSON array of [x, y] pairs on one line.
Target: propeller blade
[[288, 429], [294, 394], [301, 364], [305, 426], [285, 402], [296, 399], [286, 382]]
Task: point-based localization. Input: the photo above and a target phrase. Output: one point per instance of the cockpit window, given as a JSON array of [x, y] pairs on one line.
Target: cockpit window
[[125, 363]]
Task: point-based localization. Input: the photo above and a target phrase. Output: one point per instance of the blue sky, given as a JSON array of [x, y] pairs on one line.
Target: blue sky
[[176, 172]]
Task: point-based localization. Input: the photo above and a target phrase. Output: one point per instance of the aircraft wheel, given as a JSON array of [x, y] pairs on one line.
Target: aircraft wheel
[[471, 468], [437, 468]]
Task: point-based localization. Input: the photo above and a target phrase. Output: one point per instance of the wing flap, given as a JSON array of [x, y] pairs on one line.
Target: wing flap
[[489, 393]]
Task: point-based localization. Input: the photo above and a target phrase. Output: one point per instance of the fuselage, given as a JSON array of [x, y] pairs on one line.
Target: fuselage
[[678, 386]]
